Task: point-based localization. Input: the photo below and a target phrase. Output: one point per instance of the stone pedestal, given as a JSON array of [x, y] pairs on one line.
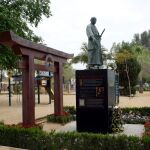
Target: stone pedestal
[[95, 96]]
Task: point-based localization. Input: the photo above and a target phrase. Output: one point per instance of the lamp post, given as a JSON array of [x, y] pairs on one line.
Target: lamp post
[[9, 73]]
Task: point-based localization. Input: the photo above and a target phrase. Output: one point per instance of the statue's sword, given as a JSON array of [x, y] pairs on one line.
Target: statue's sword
[[102, 32]]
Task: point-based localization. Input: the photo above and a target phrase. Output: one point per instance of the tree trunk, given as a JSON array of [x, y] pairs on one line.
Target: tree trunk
[[141, 82], [128, 78], [141, 86]]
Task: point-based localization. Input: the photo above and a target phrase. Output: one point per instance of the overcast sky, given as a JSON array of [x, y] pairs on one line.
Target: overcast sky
[[65, 30]]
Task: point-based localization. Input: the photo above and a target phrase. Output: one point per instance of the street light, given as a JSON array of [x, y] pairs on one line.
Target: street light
[[9, 73]]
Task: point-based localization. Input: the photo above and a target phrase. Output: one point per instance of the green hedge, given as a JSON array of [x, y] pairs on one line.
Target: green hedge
[[60, 119], [35, 139], [20, 137], [70, 109], [69, 115], [143, 111]]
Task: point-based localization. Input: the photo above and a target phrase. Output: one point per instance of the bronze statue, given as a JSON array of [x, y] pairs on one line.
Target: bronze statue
[[94, 45]]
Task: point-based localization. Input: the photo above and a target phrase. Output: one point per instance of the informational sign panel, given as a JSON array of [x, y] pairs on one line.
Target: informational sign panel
[[91, 92], [44, 73]]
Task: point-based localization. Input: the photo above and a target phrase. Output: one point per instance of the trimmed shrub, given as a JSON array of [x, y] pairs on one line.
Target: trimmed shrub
[[20, 137], [35, 139], [143, 111], [70, 109], [60, 119]]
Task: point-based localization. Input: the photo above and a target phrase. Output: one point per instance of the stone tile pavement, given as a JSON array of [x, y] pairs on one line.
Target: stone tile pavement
[[129, 129]]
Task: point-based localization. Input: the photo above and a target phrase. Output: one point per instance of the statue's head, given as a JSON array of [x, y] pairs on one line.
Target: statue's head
[[93, 20]]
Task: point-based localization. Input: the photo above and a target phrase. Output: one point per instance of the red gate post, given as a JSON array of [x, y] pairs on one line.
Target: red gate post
[[28, 104], [58, 89]]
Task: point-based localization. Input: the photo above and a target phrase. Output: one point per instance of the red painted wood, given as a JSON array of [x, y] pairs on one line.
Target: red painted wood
[[12, 39], [30, 51], [58, 89], [23, 65], [28, 104]]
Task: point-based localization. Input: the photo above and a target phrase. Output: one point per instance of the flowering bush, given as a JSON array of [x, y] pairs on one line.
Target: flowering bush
[[134, 118], [117, 120], [147, 128]]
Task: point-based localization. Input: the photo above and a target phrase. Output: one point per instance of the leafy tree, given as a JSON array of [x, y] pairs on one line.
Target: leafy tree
[[141, 44], [142, 39], [17, 15], [128, 68], [69, 73], [143, 57]]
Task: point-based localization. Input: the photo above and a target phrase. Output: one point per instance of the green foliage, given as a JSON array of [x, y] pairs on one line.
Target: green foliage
[[35, 139], [142, 39], [1, 122], [134, 69], [70, 109], [83, 56], [128, 68], [8, 59], [17, 88], [134, 119], [69, 115], [117, 121], [16, 15], [69, 73], [135, 115], [143, 111], [141, 44], [143, 57], [60, 119], [21, 137]]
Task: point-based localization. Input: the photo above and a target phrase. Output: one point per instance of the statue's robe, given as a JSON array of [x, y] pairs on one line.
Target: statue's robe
[[94, 46]]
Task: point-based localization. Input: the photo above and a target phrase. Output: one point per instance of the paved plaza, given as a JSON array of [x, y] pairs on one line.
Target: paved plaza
[[13, 114]]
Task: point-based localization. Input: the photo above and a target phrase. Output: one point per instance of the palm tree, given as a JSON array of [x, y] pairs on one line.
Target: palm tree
[[83, 56]]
